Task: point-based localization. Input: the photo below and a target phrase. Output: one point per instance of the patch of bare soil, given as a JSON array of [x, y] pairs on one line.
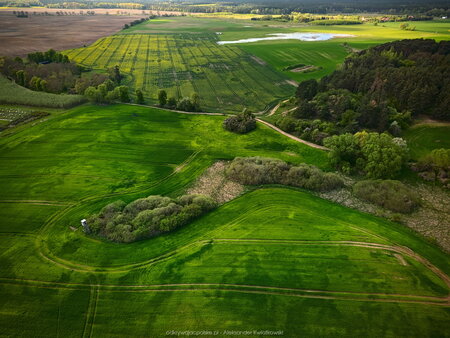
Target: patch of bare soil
[[303, 69], [214, 183], [20, 36], [292, 82], [401, 259], [258, 60], [433, 219]]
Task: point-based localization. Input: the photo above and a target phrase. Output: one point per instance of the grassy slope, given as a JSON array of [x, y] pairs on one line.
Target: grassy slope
[[11, 93], [97, 150], [90, 146], [275, 214]]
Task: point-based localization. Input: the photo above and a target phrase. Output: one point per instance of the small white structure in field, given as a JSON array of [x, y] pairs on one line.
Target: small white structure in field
[[85, 226], [219, 33]]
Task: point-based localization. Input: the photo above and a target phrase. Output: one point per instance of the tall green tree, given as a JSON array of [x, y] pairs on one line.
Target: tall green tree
[[139, 97], [20, 77], [162, 97], [123, 94]]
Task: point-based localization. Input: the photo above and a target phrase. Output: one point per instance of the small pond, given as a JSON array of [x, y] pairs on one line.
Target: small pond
[[291, 36]]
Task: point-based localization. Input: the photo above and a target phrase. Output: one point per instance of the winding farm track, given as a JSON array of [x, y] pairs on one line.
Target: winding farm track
[[292, 137]]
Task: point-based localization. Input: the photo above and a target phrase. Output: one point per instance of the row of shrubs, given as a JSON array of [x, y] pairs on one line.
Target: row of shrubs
[[147, 217], [259, 170]]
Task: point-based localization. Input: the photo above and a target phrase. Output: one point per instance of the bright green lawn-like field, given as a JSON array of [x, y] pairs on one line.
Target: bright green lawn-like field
[[273, 259]]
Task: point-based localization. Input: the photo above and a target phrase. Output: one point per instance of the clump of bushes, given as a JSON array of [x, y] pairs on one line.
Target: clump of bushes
[[259, 170], [147, 217], [241, 123], [370, 154], [389, 194]]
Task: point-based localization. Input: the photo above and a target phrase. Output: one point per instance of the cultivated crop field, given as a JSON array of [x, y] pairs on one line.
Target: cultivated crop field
[[226, 78], [314, 267], [181, 56]]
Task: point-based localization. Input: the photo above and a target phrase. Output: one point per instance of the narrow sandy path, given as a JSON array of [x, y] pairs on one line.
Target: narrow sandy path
[[292, 137]]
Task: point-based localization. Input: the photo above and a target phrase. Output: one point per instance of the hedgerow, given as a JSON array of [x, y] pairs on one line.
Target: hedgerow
[[259, 170], [147, 217]]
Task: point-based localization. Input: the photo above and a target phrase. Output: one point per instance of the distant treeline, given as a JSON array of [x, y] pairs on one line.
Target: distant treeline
[[378, 89], [264, 7]]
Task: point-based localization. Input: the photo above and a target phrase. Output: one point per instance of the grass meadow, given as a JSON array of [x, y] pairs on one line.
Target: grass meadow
[[316, 268]]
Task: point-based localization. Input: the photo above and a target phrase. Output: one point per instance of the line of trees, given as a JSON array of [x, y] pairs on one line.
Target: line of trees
[[189, 104], [136, 22], [49, 56]]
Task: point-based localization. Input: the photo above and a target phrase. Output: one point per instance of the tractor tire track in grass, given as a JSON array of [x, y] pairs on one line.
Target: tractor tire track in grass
[[214, 287], [219, 100], [41, 244], [250, 62], [189, 68], [86, 328], [171, 254], [245, 86], [234, 94], [174, 72]]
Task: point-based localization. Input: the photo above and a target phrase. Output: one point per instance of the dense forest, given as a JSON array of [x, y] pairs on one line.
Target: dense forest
[[380, 89]]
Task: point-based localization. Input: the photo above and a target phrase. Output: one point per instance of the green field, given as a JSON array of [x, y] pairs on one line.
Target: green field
[[226, 78], [275, 258], [422, 138], [316, 268]]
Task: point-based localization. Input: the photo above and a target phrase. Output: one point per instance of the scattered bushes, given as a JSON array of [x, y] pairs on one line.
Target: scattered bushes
[[389, 194], [241, 123], [259, 170], [147, 217]]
